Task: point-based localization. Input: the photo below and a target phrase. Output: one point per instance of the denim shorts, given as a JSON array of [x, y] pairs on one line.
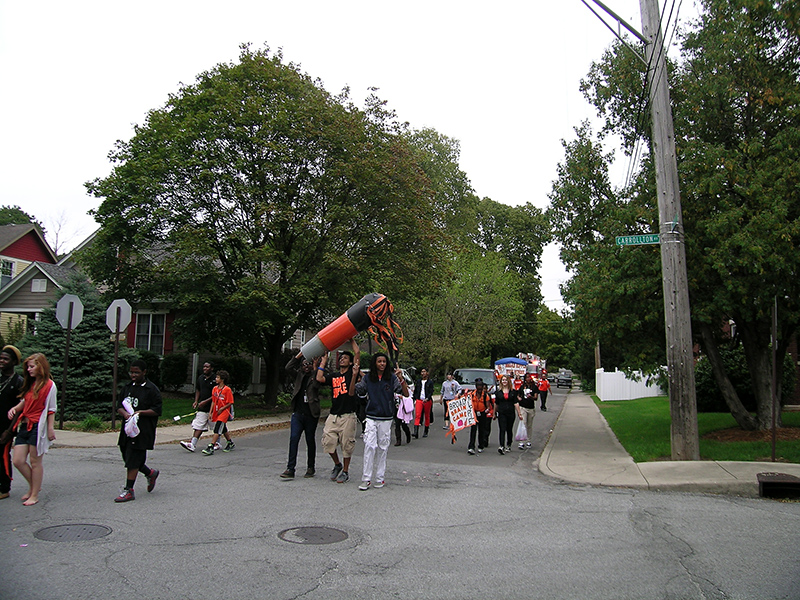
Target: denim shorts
[[25, 437]]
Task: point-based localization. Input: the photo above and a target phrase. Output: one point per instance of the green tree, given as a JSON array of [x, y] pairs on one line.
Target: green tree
[[14, 215], [91, 354], [259, 204], [471, 315], [736, 100], [615, 292]]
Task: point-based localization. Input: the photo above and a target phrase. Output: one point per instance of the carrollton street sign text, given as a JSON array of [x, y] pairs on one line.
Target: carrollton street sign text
[[636, 240]]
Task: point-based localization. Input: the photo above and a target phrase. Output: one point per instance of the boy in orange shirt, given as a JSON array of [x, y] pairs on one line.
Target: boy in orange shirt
[[221, 410]]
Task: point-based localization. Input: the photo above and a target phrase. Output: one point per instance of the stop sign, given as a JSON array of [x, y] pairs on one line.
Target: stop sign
[[62, 311], [124, 315]]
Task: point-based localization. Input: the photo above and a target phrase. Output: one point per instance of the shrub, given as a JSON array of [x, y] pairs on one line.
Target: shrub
[[92, 423], [709, 398], [174, 369]]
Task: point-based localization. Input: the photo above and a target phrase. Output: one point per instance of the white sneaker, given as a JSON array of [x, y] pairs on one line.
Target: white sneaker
[[217, 446], [365, 485], [521, 446], [380, 483], [188, 446]]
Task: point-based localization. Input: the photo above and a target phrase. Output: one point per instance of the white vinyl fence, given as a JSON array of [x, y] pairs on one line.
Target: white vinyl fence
[[617, 386]]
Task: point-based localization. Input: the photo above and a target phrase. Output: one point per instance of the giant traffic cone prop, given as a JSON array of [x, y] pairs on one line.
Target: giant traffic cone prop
[[373, 312]]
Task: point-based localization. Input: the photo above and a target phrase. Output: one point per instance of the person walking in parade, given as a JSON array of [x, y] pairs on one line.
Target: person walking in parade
[[202, 404], [10, 385], [507, 412], [379, 386], [305, 413], [544, 388], [340, 426], [423, 403], [221, 413], [527, 409], [483, 405], [450, 389], [140, 409]]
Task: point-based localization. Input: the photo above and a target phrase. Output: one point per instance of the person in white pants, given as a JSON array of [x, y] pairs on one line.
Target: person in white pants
[[379, 387]]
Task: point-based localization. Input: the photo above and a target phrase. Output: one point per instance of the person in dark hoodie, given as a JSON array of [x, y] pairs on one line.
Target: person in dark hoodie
[[379, 387]]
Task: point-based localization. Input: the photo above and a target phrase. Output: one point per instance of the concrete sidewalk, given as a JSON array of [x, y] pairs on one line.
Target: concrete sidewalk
[[583, 449], [165, 435]]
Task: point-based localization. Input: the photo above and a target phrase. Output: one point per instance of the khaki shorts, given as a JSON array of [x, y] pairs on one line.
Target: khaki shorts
[[340, 429], [200, 421]]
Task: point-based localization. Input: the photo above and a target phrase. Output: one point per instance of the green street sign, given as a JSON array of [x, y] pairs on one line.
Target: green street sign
[[637, 240]]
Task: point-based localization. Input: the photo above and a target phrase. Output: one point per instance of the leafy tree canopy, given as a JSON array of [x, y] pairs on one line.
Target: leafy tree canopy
[[736, 102], [258, 203]]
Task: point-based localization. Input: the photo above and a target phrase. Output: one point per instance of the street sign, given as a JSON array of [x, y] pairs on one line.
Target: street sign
[[69, 319], [124, 315], [638, 240]]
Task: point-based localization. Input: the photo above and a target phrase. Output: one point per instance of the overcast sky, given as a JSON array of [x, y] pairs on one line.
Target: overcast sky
[[501, 77]]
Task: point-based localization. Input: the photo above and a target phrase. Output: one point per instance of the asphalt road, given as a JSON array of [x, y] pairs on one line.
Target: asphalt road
[[447, 525]]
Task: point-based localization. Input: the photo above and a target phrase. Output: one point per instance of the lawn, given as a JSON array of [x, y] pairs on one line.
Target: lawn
[[643, 428]]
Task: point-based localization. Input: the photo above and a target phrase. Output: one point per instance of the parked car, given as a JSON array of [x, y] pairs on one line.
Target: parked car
[[466, 378], [564, 378]]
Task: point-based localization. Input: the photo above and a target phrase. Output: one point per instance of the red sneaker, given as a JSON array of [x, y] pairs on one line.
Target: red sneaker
[[125, 495], [151, 481]]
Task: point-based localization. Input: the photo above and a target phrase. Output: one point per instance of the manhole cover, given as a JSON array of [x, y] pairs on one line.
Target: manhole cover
[[72, 533], [313, 535]]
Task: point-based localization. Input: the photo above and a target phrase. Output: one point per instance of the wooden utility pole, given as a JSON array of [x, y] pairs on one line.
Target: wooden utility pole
[[680, 359]]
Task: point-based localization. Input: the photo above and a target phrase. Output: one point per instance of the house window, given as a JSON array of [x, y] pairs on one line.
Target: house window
[[6, 272], [150, 332], [38, 285]]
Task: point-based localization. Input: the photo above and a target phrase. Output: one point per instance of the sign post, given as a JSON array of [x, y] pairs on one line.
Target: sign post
[[118, 316], [69, 313]]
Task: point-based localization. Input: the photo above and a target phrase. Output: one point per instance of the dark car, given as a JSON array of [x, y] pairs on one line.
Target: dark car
[[466, 378], [564, 378]]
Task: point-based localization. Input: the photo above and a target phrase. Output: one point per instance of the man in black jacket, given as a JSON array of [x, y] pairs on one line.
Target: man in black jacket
[[305, 413], [423, 402]]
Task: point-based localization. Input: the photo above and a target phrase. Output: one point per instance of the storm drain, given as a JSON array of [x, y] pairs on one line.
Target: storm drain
[[72, 533], [313, 535]]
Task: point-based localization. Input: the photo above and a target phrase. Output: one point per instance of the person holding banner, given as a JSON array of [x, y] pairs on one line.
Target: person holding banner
[[483, 405], [379, 387], [450, 389]]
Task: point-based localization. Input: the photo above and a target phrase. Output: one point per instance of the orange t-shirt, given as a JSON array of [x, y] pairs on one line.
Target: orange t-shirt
[[221, 398], [34, 404]]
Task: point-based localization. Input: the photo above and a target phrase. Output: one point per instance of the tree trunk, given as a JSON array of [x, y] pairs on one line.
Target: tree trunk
[[273, 359], [759, 364], [739, 412]]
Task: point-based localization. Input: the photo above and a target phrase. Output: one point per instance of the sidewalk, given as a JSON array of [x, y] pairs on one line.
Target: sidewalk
[[583, 449], [165, 435]]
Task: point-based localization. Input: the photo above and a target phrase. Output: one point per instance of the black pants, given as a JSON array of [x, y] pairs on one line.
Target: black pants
[[398, 424], [505, 420], [481, 431], [543, 399]]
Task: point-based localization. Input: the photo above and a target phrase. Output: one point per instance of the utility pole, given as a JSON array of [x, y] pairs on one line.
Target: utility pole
[[680, 359]]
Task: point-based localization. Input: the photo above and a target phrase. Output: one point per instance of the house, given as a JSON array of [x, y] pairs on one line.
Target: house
[[29, 275]]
